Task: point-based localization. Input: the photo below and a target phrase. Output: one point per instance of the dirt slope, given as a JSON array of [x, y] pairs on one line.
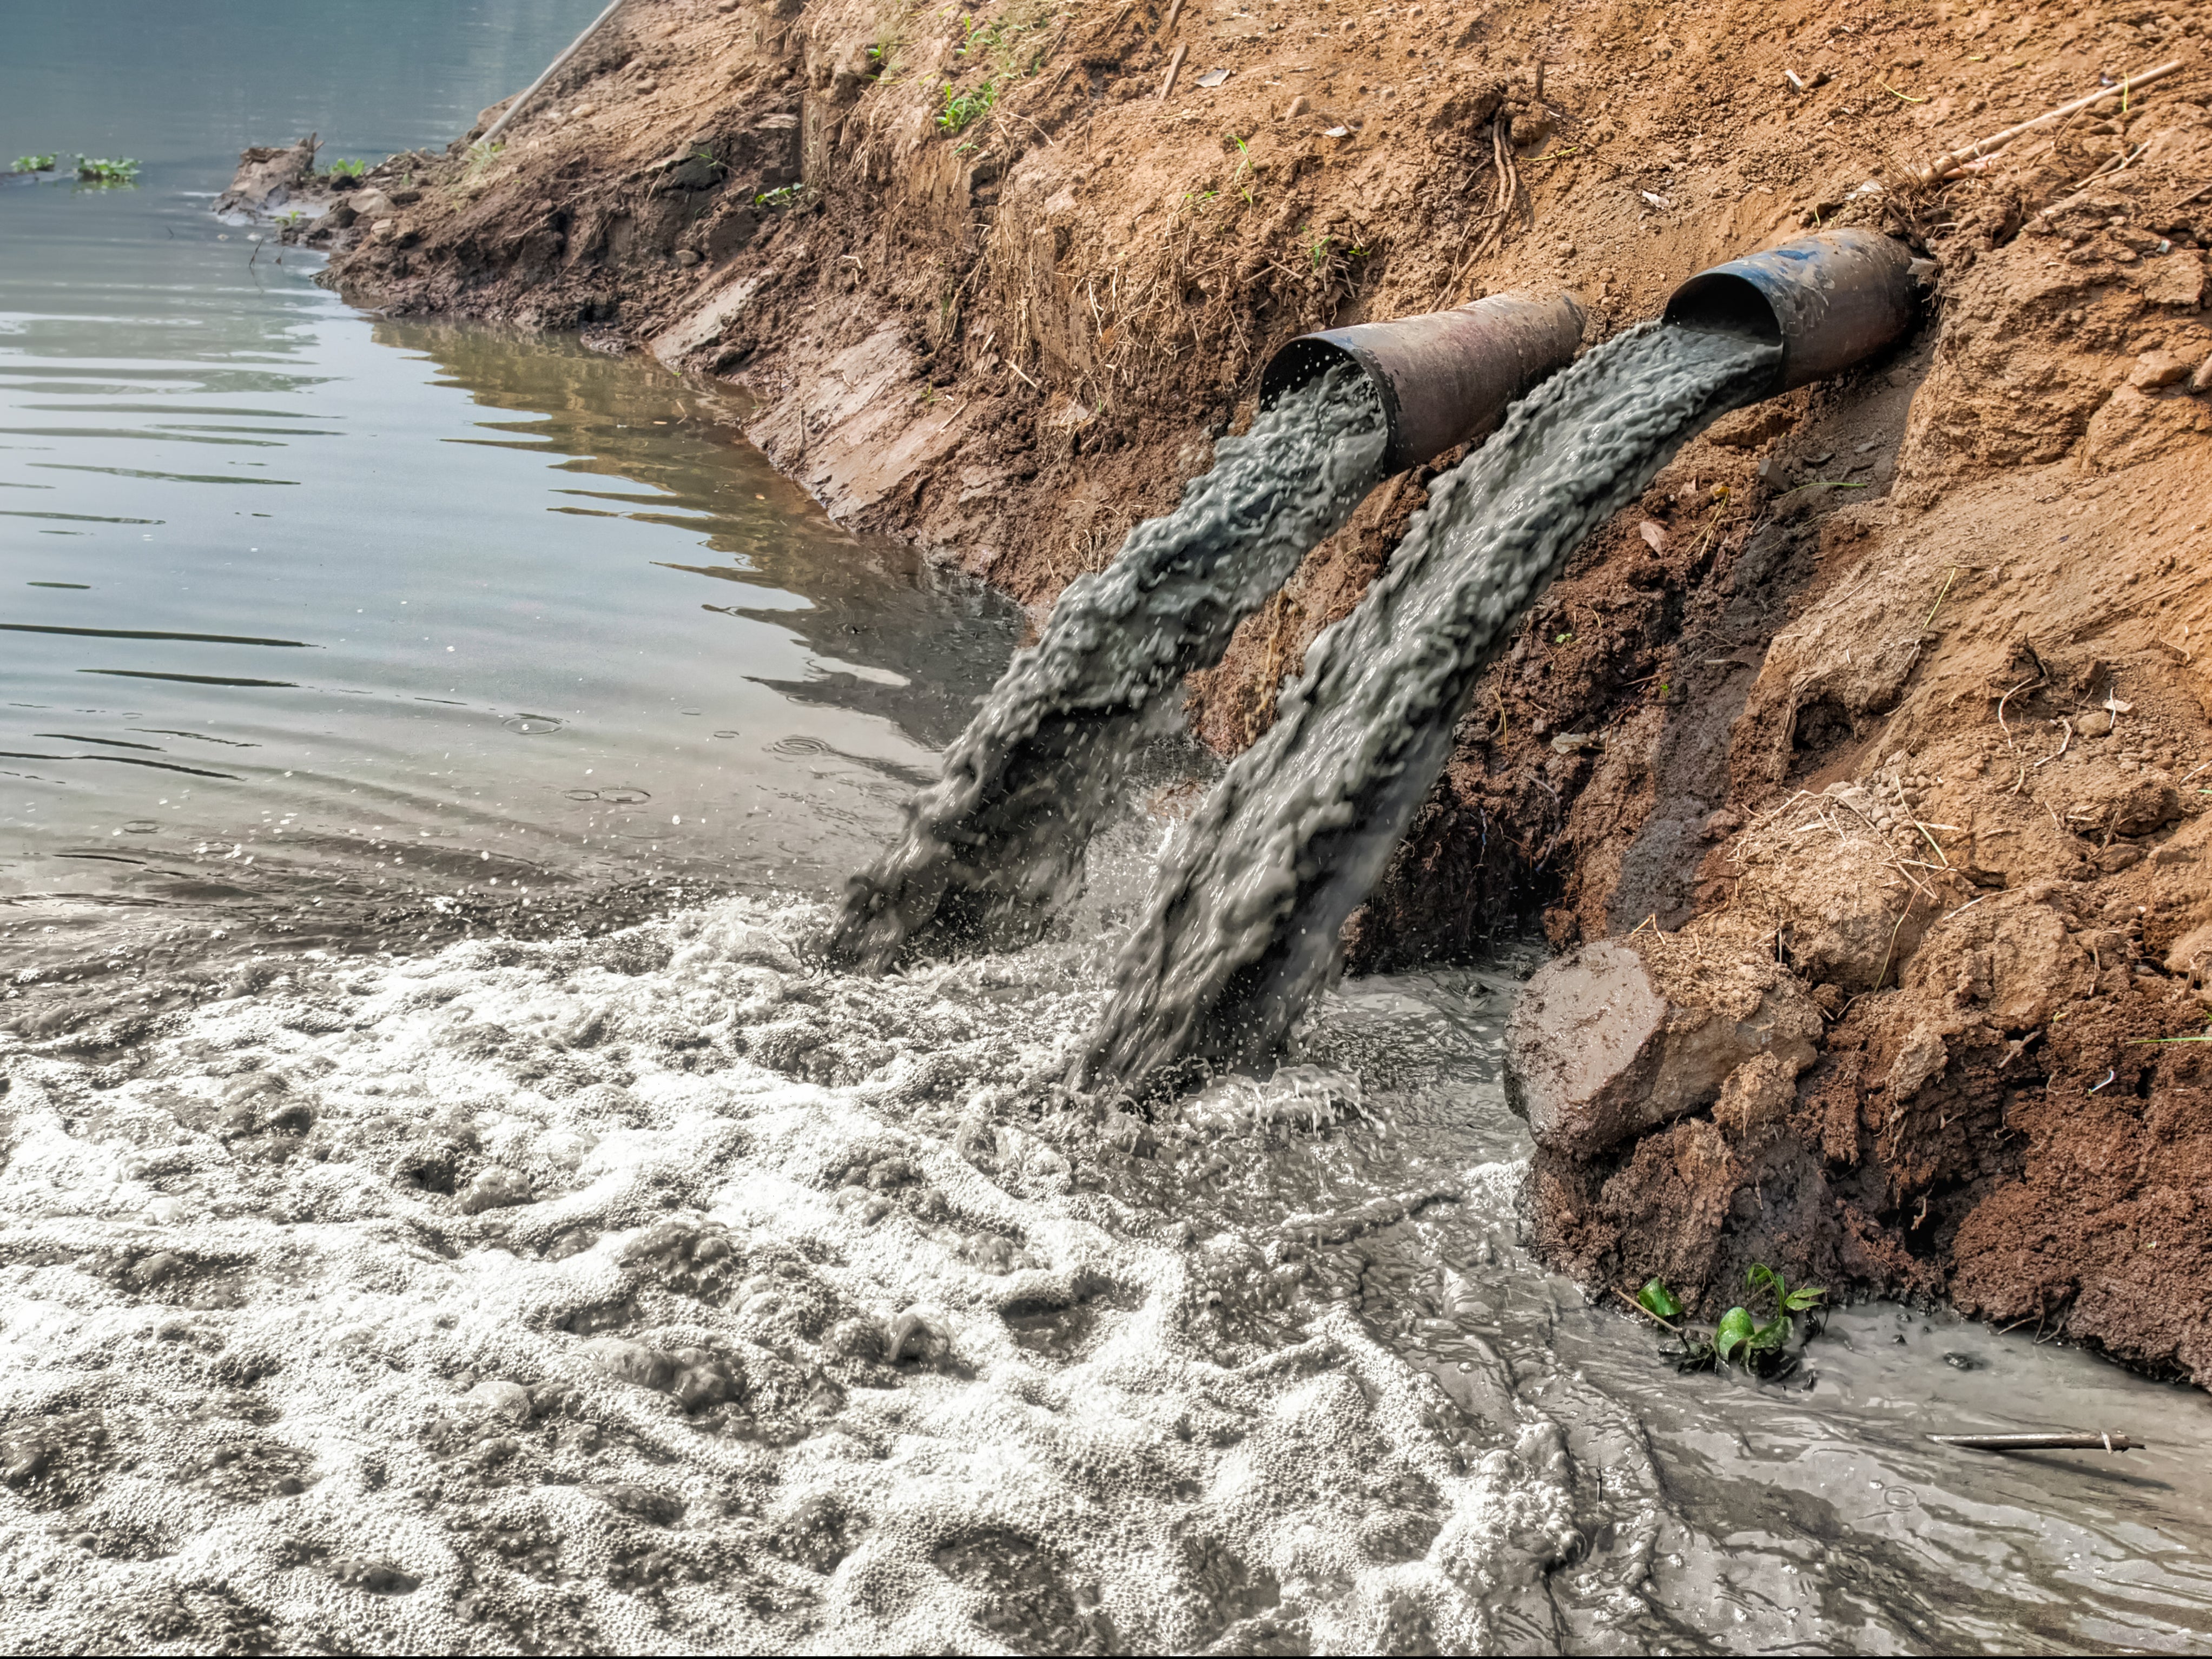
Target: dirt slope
[[1900, 680]]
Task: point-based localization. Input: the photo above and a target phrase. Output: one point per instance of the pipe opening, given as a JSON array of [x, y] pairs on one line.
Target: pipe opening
[[1306, 358], [1721, 302], [1312, 355]]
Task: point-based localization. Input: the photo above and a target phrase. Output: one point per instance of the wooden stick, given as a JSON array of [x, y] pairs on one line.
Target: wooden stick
[[1174, 68], [1645, 1311], [551, 69], [1173, 12], [1943, 163], [2003, 1442]]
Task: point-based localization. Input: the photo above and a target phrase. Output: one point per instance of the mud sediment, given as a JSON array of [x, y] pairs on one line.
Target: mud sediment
[[1898, 682]]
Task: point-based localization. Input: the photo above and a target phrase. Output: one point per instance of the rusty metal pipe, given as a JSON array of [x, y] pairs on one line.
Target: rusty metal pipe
[[1828, 301], [1444, 378]]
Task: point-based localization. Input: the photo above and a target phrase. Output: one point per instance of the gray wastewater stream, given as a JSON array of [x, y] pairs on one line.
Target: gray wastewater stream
[[479, 1292]]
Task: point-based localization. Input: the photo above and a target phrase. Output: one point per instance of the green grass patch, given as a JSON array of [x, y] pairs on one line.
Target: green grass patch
[[960, 109]]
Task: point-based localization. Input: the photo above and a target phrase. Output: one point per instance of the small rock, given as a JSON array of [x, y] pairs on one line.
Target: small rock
[[2202, 379], [686, 258], [1597, 1048], [2157, 368], [2094, 724], [631, 1362], [1722, 824], [1297, 107], [509, 1402], [496, 1188], [1923, 1056]]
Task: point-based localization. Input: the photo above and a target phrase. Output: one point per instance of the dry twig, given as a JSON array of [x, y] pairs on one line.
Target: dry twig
[[1999, 1442], [1645, 1311], [1952, 159], [1174, 68]]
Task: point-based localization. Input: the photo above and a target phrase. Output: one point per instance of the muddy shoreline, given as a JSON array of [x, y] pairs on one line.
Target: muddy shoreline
[[1890, 694]]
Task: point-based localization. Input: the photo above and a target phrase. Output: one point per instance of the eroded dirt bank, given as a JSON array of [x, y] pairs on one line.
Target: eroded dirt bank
[[1887, 706]]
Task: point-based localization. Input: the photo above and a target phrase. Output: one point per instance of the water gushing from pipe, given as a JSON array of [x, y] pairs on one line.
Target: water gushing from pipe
[[1241, 928], [996, 844]]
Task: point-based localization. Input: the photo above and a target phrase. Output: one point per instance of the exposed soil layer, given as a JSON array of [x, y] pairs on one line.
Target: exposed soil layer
[[1898, 682]]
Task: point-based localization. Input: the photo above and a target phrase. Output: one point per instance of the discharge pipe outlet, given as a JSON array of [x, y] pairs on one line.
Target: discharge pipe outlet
[[1443, 378], [1828, 301]]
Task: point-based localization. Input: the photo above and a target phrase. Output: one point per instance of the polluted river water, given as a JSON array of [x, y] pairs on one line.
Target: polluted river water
[[607, 1283]]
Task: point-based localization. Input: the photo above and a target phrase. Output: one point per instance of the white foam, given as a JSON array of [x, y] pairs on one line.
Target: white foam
[[683, 1104]]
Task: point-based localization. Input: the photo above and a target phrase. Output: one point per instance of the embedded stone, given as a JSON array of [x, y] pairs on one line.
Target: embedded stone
[[1599, 1046]]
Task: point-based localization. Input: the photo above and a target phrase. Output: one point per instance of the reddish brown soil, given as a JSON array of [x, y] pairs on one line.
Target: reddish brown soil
[[1926, 584]]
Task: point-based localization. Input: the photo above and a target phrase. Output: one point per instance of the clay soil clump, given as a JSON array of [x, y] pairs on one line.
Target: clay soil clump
[[1886, 709]]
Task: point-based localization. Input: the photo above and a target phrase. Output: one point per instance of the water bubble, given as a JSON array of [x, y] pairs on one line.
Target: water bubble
[[624, 795], [140, 827], [798, 745], [530, 725], [728, 734], [581, 794]]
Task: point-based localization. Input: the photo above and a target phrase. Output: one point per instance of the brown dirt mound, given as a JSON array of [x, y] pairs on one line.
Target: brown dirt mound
[[1899, 681]]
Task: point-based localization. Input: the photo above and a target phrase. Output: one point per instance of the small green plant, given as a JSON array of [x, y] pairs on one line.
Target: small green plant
[[962, 109], [481, 156], [295, 218], [104, 171], [35, 163], [783, 195], [1244, 167], [345, 169], [1567, 638], [1740, 1337]]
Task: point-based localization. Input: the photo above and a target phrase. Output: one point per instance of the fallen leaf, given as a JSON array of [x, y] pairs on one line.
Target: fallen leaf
[[1654, 199], [1653, 534], [2116, 706], [1212, 77]]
